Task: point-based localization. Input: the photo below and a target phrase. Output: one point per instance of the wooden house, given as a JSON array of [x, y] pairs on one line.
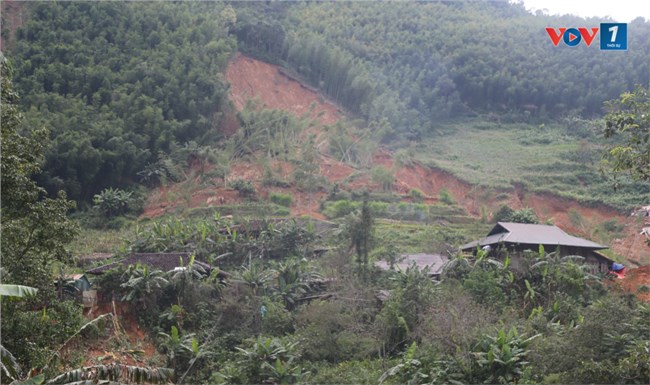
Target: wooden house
[[515, 239]]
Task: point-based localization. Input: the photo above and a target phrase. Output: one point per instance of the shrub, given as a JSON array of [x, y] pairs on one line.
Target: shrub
[[417, 195], [612, 226], [384, 177], [506, 214], [445, 196], [526, 215], [503, 214], [244, 187], [378, 209], [339, 208], [281, 199], [112, 202], [575, 218], [277, 320]]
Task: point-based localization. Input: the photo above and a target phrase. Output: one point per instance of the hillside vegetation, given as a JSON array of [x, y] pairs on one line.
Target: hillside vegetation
[[118, 86], [415, 63], [381, 129]]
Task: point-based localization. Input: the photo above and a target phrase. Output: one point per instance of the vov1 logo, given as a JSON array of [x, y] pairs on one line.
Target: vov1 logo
[[613, 36]]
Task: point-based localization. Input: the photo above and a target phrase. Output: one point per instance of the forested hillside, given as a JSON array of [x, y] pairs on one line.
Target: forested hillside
[[117, 85], [233, 221], [122, 88], [415, 63]]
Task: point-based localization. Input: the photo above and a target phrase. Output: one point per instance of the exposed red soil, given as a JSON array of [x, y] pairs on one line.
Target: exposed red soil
[[334, 170], [230, 124], [633, 244], [382, 158], [552, 207], [14, 14], [125, 344], [250, 79], [167, 199], [635, 278]]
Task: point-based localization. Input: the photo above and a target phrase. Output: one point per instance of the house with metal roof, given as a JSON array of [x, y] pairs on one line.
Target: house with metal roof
[[433, 262], [516, 238], [160, 261]]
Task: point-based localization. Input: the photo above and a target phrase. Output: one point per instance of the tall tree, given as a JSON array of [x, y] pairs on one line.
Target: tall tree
[[629, 121], [35, 229], [361, 227]]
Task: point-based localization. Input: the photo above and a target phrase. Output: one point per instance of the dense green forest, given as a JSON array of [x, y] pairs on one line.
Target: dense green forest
[[415, 63], [117, 85]]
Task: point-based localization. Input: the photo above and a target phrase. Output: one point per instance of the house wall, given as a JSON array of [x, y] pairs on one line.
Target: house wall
[[595, 263]]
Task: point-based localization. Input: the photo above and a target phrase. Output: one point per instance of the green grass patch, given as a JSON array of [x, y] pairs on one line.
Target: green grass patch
[[248, 210], [281, 199], [100, 241], [542, 158]]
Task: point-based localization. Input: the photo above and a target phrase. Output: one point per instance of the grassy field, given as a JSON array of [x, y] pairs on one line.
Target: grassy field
[[550, 158]]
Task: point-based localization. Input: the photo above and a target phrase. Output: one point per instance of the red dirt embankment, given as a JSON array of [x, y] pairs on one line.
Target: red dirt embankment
[[250, 78], [636, 281]]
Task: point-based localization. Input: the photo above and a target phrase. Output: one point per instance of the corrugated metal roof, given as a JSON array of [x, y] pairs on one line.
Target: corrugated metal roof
[[162, 261], [74, 276], [525, 233], [435, 262]]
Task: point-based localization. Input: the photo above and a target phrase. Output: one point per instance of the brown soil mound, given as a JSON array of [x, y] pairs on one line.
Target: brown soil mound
[[639, 280], [125, 344], [636, 281], [250, 79]]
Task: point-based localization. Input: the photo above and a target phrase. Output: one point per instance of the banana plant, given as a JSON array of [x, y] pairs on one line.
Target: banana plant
[[178, 346], [141, 283], [257, 278], [293, 281], [263, 355], [9, 367], [114, 373], [284, 373], [408, 371], [502, 357]]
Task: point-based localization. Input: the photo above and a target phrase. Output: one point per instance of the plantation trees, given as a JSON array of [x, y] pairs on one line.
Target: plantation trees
[[629, 120]]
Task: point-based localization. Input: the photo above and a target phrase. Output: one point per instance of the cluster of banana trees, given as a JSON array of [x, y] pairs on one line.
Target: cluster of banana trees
[[217, 239], [541, 283], [289, 281]]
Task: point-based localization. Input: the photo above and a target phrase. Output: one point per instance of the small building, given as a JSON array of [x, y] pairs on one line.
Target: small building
[[516, 238], [79, 281], [434, 262], [160, 261], [78, 286]]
